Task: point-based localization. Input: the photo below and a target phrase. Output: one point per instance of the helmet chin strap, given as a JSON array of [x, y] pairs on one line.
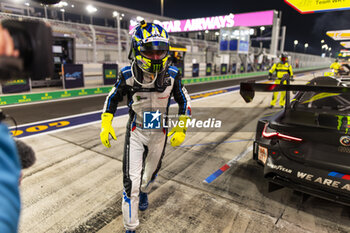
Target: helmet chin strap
[[137, 81]]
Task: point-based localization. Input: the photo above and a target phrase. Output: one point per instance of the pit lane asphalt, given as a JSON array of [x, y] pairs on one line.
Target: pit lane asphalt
[[76, 183]]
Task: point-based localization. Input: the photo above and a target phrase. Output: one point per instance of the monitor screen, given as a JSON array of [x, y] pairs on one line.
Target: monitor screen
[[57, 59], [57, 49]]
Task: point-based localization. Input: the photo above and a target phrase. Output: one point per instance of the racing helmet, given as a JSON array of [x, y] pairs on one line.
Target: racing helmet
[[150, 47], [284, 57]]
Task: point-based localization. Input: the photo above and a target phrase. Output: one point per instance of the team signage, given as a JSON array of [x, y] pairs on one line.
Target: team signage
[[195, 70], [16, 86], [110, 72], [208, 69], [223, 68], [253, 19], [234, 68], [73, 76], [317, 6]]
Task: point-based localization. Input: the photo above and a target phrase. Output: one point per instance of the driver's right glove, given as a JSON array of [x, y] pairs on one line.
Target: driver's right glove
[[106, 129]]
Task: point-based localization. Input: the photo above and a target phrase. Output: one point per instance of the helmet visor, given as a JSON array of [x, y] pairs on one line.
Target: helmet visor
[[155, 50], [155, 54]]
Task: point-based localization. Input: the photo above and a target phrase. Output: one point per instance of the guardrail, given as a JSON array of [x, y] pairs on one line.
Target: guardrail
[[65, 94]]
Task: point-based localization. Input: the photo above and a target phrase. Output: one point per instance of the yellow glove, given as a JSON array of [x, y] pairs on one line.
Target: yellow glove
[[179, 131], [106, 129]]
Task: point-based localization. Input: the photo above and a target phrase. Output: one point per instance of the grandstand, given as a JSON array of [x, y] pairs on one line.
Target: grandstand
[[96, 44]]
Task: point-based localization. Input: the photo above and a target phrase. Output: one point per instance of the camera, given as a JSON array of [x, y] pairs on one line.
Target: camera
[[33, 40]]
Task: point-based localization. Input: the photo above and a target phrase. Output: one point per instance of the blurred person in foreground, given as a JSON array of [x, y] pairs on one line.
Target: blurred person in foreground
[[148, 84], [10, 167]]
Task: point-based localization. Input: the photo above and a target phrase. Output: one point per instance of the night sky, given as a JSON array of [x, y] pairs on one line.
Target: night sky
[[310, 28]]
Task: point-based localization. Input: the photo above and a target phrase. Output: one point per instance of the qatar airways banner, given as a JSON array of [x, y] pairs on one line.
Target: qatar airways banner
[[262, 18]]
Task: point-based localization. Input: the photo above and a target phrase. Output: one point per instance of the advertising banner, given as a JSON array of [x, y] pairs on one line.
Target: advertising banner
[[345, 44], [339, 35], [253, 19], [195, 70], [16, 86], [208, 69], [110, 73], [317, 6], [243, 46], [73, 76]]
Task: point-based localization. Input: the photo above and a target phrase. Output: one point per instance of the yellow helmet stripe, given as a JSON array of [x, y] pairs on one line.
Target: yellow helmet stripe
[[146, 34], [163, 34]]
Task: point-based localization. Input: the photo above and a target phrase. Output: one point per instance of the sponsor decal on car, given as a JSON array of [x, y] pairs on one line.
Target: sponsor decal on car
[[344, 149], [262, 154], [279, 168], [323, 181], [345, 141]]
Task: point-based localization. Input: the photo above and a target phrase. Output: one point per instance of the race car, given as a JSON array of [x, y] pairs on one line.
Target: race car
[[306, 146]]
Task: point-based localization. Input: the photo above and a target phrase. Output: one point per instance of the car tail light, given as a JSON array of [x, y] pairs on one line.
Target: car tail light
[[273, 133]]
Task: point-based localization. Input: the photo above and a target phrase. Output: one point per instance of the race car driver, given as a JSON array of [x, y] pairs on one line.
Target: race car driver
[[282, 68], [148, 84], [335, 66]]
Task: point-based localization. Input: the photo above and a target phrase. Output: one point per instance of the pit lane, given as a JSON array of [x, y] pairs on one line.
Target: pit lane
[[76, 183]]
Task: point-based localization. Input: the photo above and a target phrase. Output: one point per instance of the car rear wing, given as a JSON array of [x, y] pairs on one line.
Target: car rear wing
[[249, 88]]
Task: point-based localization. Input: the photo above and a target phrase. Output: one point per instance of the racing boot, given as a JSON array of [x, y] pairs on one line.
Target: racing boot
[[143, 203], [129, 231]]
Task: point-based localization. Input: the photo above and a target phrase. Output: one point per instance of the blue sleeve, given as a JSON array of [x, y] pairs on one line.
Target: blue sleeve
[[10, 170]]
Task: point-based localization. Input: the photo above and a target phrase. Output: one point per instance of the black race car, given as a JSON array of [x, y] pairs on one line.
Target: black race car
[[306, 146]]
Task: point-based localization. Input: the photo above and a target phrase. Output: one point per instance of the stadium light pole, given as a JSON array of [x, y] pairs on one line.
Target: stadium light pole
[[162, 7], [295, 44], [306, 46], [63, 10], [117, 16], [91, 9], [45, 10], [27, 4], [262, 29]]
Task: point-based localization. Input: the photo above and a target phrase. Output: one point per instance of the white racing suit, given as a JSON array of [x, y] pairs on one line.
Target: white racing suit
[[144, 148]]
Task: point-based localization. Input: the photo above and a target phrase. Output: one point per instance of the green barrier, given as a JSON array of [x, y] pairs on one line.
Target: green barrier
[[33, 97], [221, 77], [244, 75], [54, 95]]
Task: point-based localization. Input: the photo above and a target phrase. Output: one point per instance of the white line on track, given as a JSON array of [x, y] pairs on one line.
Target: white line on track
[[240, 156]]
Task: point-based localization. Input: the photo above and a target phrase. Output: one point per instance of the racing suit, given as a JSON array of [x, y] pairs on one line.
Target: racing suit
[[281, 70], [335, 66], [144, 148]]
